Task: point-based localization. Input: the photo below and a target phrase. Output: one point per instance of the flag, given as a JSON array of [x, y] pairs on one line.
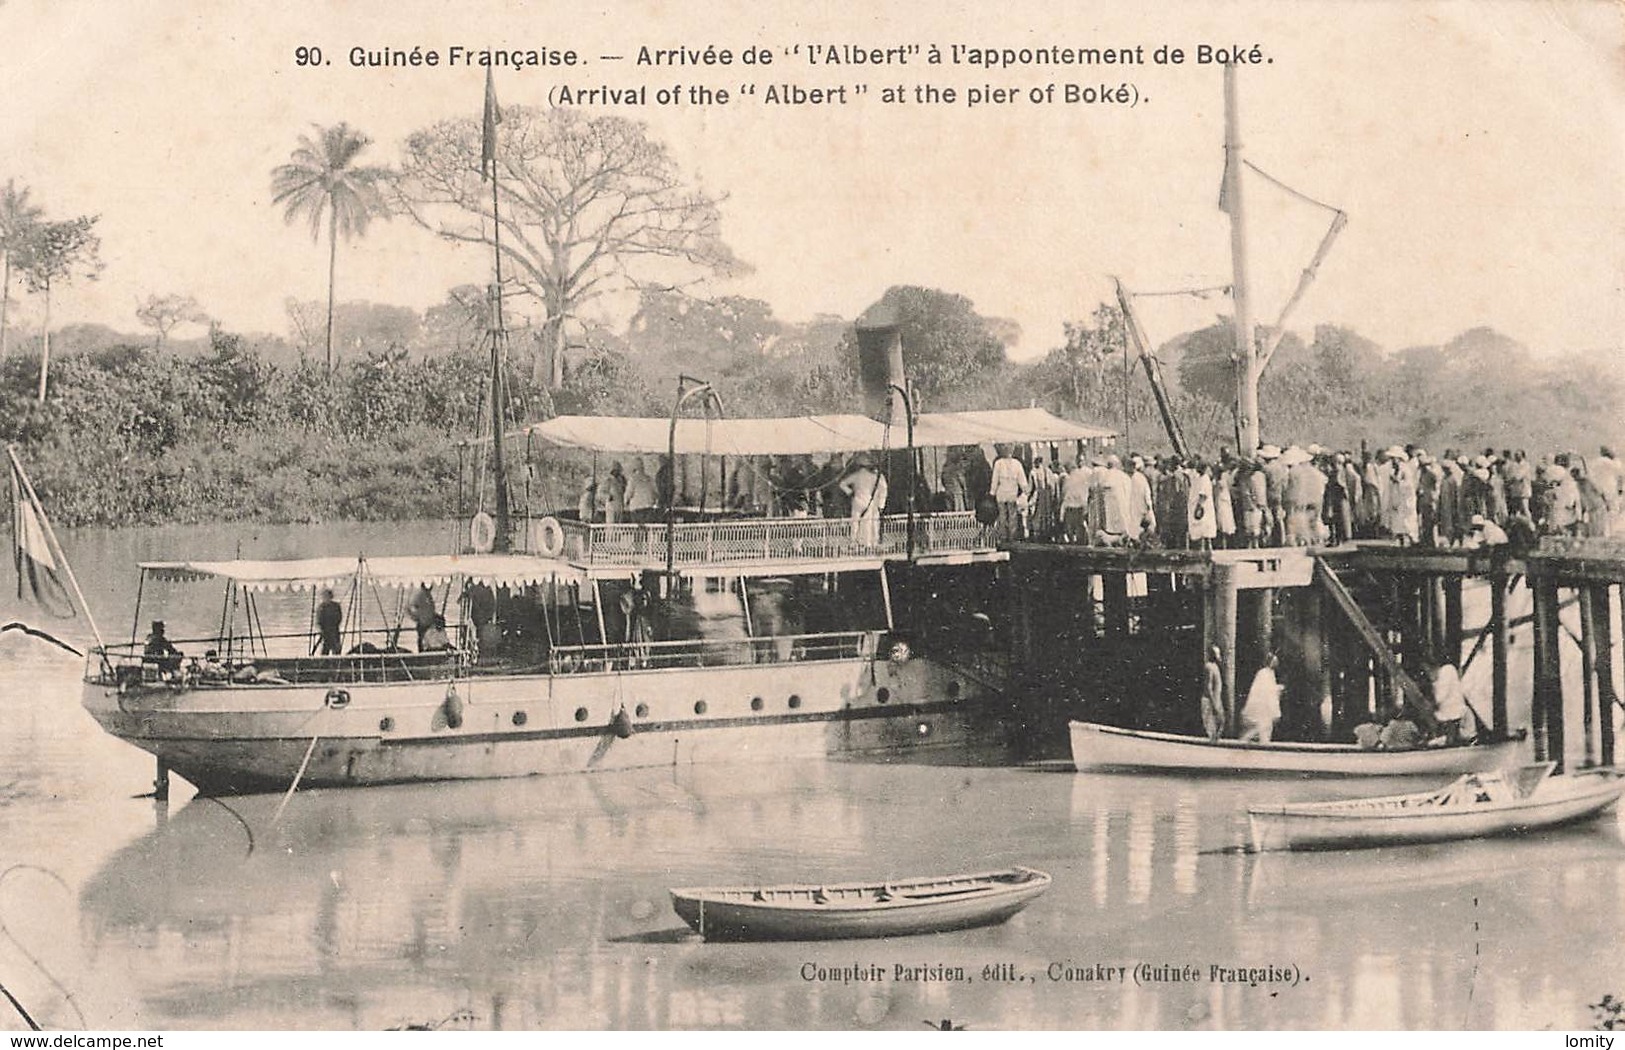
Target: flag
[[39, 577], [488, 133]]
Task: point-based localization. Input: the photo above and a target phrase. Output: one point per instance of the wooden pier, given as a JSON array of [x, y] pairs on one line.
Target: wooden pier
[[1119, 636]]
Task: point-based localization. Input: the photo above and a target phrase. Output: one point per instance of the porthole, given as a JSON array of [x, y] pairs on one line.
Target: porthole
[[386, 724], [642, 711], [699, 707], [795, 701], [882, 694], [755, 703], [520, 718], [581, 714]]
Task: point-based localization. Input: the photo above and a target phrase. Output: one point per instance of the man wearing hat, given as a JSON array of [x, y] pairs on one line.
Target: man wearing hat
[[160, 650]]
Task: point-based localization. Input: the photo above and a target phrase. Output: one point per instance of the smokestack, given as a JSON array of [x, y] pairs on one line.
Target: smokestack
[[880, 364]]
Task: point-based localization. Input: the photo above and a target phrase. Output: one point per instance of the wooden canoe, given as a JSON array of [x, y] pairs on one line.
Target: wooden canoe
[[1476, 805], [1107, 747], [893, 908]]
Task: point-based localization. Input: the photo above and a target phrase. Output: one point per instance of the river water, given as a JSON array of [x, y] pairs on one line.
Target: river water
[[542, 903]]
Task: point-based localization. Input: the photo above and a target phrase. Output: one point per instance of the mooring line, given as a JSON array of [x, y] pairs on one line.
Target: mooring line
[[41, 967]]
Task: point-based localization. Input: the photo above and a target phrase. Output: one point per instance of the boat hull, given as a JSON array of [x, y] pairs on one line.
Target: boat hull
[[1310, 828], [853, 912], [1098, 747], [243, 739]]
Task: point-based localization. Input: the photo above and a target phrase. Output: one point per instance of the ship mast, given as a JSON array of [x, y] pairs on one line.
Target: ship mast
[[496, 332], [1246, 356]]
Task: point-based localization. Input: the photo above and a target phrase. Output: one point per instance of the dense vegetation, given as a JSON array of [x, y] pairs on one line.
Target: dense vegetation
[[235, 428]]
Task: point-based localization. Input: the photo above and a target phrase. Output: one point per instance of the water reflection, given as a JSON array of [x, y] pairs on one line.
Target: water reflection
[[542, 903]]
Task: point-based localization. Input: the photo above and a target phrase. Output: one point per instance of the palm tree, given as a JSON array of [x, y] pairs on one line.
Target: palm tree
[[322, 179], [18, 219]]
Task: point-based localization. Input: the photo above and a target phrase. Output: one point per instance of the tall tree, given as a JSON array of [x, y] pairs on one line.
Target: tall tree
[[587, 205], [19, 218], [322, 179], [54, 254], [163, 313]]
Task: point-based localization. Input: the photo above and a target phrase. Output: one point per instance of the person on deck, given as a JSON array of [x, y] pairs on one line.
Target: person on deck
[[1263, 707], [435, 638], [423, 612], [866, 488], [329, 623], [613, 495], [1609, 475], [641, 497], [161, 651], [1008, 486]]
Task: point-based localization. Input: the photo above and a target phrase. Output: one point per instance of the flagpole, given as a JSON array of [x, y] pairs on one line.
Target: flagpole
[[50, 536]]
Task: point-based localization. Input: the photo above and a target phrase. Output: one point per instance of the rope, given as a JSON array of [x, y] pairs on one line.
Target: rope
[[1277, 183], [1200, 293], [300, 775]]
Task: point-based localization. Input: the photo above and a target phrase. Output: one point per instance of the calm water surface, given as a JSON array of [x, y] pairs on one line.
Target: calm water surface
[[542, 903]]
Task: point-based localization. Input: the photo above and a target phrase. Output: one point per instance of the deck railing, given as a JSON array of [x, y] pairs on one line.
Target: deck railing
[[712, 652], [764, 539]]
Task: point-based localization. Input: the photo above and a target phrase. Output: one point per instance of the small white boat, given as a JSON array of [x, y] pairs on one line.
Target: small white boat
[[1107, 747], [1472, 806], [858, 909]]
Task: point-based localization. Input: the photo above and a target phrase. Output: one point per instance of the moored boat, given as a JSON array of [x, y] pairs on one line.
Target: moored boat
[[893, 908], [734, 634], [1475, 805], [1101, 747]]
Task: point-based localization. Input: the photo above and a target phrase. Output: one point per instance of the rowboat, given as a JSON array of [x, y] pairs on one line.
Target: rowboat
[[1108, 747], [858, 909], [1472, 806]]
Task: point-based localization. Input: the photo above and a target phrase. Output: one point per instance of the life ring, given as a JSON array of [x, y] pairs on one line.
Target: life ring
[[482, 533], [547, 537]]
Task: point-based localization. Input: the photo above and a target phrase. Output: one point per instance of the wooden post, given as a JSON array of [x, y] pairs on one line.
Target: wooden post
[[1452, 619], [1498, 654], [1114, 589], [1547, 710], [160, 782], [1588, 665], [1222, 587], [1023, 600], [1607, 698]]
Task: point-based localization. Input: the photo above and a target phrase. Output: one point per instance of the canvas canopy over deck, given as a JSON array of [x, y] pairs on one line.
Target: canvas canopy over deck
[[806, 435], [941, 536]]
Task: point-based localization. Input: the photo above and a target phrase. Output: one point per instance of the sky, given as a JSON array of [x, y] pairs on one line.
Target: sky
[[1476, 147]]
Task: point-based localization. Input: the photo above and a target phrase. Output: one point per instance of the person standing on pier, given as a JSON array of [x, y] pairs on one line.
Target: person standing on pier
[[1213, 714], [1263, 706], [1609, 475], [1114, 493], [1141, 506], [1519, 484], [1202, 518], [1076, 489], [1399, 497]]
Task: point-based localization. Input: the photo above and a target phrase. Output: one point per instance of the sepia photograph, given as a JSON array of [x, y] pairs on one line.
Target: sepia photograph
[[812, 517]]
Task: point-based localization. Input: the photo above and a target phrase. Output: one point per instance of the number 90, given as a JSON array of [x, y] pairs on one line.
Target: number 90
[[307, 56]]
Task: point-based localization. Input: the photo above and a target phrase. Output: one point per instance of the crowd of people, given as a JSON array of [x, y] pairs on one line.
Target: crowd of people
[[1308, 496]]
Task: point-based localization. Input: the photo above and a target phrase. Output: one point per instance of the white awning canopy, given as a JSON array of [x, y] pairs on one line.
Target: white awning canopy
[[797, 435], [405, 571]]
